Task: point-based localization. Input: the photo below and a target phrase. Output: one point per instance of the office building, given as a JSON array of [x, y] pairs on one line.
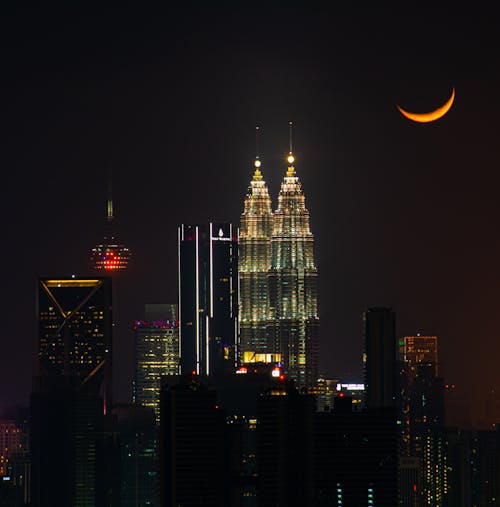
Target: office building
[[293, 299], [156, 353], [355, 457], [379, 357], [139, 455], [254, 263], [75, 331], [208, 298], [72, 435], [195, 452], [285, 432], [416, 351]]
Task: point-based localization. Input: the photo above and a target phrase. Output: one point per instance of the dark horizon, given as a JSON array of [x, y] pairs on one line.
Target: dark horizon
[[404, 215]]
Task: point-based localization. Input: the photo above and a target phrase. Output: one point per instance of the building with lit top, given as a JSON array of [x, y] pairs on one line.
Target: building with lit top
[[293, 277], [416, 351], [110, 255], [156, 353], [208, 298], [75, 330], [254, 263]]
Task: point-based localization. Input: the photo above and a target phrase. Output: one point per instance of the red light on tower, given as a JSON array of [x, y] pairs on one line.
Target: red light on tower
[[110, 255]]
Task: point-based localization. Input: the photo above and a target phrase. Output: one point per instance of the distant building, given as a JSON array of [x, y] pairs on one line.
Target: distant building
[[256, 226], [139, 456], [208, 298], [156, 353], [73, 439], [422, 416], [379, 358], [110, 255], [293, 284], [195, 446], [15, 466], [355, 457], [75, 331], [285, 426]]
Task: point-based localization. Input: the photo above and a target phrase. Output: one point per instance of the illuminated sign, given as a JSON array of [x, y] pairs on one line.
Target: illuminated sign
[[351, 387]]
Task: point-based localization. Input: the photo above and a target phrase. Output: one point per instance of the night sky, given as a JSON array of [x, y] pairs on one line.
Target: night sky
[[404, 215]]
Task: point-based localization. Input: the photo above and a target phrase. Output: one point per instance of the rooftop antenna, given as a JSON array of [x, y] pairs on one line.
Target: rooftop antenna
[[257, 163], [290, 159]]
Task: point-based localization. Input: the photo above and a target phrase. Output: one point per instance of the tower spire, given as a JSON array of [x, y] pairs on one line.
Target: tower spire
[[110, 201], [257, 163], [290, 159]]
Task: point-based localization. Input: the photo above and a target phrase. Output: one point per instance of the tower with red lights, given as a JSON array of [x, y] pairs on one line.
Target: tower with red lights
[[110, 255]]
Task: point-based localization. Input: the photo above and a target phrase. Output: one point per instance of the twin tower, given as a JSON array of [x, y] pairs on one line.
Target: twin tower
[[254, 299]]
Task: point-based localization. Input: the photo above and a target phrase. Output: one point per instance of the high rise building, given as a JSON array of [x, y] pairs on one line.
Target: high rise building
[[156, 353], [293, 298], [194, 448], [415, 351], [72, 439], [208, 298], [379, 357], [254, 263], [422, 415], [75, 330]]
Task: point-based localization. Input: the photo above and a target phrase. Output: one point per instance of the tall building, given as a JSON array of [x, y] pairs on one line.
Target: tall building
[[194, 449], [254, 263], [379, 357], [208, 298], [156, 353], [415, 351], [285, 446], [75, 330], [293, 298], [72, 439], [422, 415]]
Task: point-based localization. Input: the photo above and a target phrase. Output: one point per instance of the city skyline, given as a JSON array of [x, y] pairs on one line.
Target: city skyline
[[404, 215]]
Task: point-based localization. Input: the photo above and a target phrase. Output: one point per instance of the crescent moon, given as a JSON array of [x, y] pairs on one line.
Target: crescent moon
[[431, 116]]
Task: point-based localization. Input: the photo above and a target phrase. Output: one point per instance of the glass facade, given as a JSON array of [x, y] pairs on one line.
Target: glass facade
[[75, 329], [208, 298], [157, 354]]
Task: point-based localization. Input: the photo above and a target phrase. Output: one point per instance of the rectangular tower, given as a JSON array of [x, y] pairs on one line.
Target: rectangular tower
[[379, 357], [156, 353], [208, 298], [75, 330]]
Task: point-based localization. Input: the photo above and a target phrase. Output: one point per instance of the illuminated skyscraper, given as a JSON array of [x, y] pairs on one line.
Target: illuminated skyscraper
[[208, 298], [156, 353], [293, 308], [72, 439], [75, 330], [110, 255], [254, 262], [419, 351]]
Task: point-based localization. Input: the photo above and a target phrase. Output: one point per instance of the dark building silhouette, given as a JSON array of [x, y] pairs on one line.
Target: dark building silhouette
[[473, 461], [195, 445], [208, 298], [355, 457], [75, 331], [379, 357], [73, 438], [139, 455], [285, 447]]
